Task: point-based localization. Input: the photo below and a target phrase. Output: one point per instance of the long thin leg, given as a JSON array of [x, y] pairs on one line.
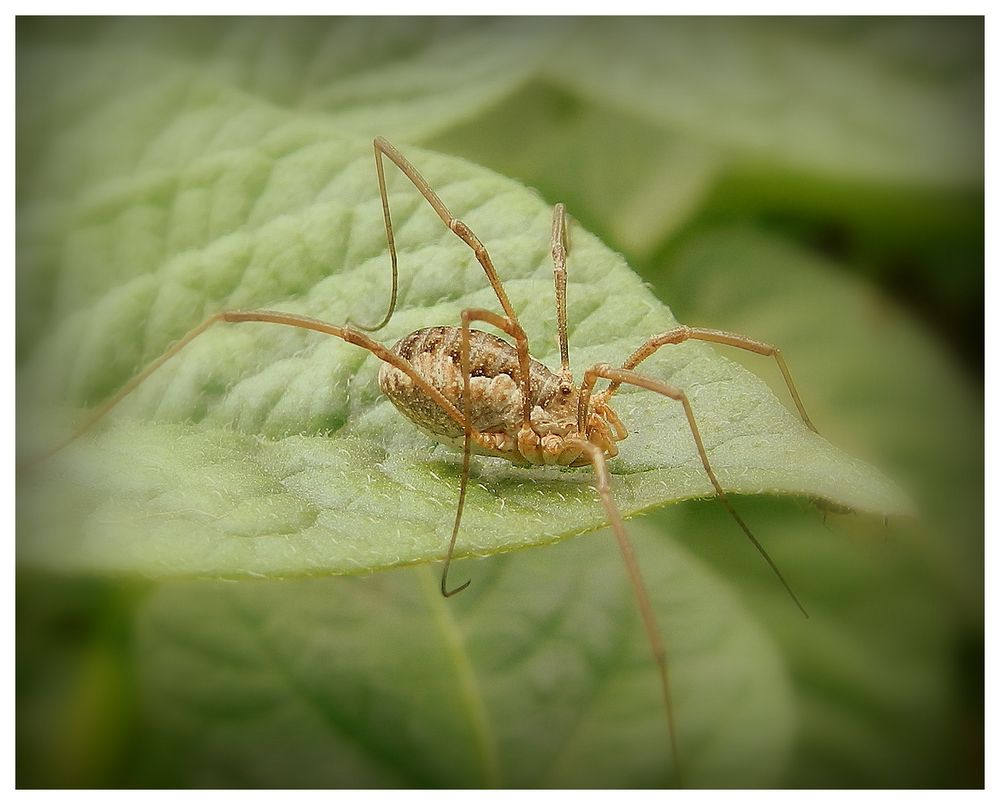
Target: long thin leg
[[275, 317], [509, 325], [465, 361], [384, 147], [603, 484], [463, 485], [560, 251], [514, 331], [682, 333], [619, 376], [468, 316]]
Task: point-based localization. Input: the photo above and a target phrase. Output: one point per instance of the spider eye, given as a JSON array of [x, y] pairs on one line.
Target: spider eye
[[565, 389]]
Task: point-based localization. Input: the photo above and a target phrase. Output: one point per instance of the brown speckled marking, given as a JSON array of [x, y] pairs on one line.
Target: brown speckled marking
[[495, 384]]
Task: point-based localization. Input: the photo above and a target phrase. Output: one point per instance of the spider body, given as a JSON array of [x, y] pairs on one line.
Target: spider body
[[496, 400]]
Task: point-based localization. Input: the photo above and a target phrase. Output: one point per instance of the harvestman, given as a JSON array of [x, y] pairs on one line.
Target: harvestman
[[476, 392]]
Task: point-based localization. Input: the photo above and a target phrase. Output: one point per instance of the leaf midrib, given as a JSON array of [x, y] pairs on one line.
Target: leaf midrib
[[469, 692]]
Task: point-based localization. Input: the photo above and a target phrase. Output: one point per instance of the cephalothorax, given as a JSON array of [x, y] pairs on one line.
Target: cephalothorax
[[480, 394]]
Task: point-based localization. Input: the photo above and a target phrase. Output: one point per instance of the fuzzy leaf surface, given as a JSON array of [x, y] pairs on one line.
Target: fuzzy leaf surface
[[265, 450]]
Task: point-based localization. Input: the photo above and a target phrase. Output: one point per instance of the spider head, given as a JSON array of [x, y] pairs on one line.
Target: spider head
[[558, 414]]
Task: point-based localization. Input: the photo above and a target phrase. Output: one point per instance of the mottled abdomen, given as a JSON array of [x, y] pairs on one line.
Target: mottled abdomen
[[496, 402]]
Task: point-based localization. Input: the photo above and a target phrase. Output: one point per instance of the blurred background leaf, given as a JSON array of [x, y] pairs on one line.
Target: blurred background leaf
[[815, 183]]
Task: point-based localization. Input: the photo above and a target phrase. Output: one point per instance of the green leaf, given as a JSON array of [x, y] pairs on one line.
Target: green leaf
[[268, 450], [841, 98], [538, 676]]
